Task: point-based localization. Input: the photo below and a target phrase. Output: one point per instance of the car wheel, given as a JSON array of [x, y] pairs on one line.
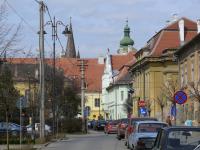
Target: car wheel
[[128, 145], [118, 137], [125, 143]]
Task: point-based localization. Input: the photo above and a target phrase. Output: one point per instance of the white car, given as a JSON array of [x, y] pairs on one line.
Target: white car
[[144, 134], [37, 128]]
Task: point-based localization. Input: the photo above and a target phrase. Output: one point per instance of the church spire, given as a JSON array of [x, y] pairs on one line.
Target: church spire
[[70, 49], [126, 43]]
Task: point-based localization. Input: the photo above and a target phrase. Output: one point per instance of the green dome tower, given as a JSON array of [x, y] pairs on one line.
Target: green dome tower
[[126, 43]]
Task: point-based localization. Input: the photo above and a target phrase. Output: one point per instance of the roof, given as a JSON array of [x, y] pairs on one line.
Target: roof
[[168, 37], [119, 60], [182, 48], [93, 70], [150, 121], [171, 128]]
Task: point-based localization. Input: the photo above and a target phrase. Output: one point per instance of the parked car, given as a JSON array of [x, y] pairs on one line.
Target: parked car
[[13, 128], [129, 129], [37, 129], [99, 125], [111, 127], [178, 138], [144, 134], [121, 128]]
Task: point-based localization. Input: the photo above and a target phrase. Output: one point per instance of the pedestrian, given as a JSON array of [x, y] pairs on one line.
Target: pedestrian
[[168, 121]]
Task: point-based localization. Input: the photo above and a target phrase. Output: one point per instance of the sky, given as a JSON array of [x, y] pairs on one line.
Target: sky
[[97, 24]]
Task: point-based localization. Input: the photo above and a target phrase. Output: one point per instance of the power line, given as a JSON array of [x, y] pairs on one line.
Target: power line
[[26, 22], [60, 43]]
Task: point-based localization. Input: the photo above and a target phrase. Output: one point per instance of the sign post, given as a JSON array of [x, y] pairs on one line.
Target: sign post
[[21, 103], [180, 97]]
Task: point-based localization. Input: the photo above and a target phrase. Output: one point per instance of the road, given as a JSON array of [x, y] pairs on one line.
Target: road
[[93, 141]]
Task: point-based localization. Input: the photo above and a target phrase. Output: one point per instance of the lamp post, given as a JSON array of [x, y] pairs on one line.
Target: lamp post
[[54, 24]]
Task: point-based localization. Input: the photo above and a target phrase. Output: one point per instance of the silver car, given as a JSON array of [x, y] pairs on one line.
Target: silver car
[[144, 134]]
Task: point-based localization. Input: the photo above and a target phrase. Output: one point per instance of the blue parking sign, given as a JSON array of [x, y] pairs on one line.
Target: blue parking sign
[[143, 111]]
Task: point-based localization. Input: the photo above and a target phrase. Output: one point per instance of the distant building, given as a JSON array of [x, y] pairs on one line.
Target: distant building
[[113, 64], [189, 76], [126, 44], [70, 51], [156, 67]]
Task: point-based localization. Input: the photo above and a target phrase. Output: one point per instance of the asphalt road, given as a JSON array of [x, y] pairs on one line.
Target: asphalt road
[[93, 141]]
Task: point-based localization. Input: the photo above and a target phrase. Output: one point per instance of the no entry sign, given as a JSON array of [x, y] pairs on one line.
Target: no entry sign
[[180, 97]]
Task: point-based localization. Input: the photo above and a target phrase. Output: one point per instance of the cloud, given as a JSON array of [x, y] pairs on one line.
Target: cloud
[[98, 24]]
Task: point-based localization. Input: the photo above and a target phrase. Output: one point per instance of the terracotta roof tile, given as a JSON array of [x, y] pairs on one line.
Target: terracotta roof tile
[[189, 24], [169, 37], [93, 72], [119, 60]]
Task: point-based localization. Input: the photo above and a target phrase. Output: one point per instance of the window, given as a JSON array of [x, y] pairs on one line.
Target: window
[[182, 75], [199, 66], [122, 95], [97, 102], [186, 73], [192, 70]]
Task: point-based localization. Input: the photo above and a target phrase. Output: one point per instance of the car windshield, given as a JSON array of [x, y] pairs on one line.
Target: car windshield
[[150, 127], [183, 140], [113, 123]]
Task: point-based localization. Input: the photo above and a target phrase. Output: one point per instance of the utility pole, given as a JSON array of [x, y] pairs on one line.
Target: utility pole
[[41, 48], [54, 25], [82, 69]]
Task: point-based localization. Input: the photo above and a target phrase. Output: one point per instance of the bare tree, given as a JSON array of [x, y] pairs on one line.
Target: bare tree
[[194, 91], [9, 34], [161, 101], [168, 90], [148, 106], [128, 105]]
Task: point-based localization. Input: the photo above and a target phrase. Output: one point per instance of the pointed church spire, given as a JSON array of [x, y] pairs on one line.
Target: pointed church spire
[[78, 55], [70, 49]]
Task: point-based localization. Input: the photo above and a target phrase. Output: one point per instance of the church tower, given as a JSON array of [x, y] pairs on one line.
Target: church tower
[[126, 44], [70, 51]]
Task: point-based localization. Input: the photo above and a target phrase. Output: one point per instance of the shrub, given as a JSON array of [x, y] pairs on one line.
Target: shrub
[[71, 125]]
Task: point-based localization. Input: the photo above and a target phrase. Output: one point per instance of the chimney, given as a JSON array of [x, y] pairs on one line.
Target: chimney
[[198, 26], [101, 59], [174, 17], [181, 31]]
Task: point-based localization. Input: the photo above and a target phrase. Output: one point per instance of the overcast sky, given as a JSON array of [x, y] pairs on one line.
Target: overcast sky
[[98, 24]]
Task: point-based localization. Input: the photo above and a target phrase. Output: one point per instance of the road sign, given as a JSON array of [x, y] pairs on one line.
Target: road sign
[[141, 103], [180, 97], [23, 101], [173, 110], [143, 111]]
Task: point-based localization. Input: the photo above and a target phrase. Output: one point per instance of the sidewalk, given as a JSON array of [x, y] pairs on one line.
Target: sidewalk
[[26, 146], [40, 146]]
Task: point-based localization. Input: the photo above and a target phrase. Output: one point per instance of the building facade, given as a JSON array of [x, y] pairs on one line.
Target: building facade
[[155, 73], [189, 73]]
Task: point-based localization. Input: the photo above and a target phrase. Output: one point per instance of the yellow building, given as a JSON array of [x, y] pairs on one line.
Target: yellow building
[[93, 101], [189, 63], [156, 70]]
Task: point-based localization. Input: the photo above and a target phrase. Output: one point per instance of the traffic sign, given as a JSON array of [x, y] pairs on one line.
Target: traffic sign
[[23, 102], [173, 110], [180, 97], [143, 111], [141, 103]]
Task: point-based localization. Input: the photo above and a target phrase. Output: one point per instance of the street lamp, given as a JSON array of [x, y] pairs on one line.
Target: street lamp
[[54, 24]]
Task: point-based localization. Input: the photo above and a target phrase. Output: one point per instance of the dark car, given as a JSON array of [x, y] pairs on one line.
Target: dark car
[[130, 129], [121, 128], [99, 125], [12, 128], [178, 138]]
